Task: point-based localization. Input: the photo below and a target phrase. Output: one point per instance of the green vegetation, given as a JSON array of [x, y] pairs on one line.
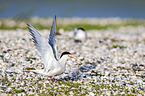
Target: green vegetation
[[19, 91], [40, 24], [118, 46]]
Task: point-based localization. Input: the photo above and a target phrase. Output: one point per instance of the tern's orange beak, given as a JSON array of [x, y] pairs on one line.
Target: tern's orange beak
[[71, 56]]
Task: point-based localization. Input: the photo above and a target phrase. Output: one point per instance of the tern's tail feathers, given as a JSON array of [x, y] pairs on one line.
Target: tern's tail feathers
[[39, 71], [36, 71]]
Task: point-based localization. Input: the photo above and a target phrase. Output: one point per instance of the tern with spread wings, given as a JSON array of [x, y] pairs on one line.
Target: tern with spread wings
[[48, 50]]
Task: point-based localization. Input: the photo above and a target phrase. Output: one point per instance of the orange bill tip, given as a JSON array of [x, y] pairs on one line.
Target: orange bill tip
[[71, 54], [71, 57]]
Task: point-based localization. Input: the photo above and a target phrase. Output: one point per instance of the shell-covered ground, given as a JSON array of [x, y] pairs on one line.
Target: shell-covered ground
[[110, 62]]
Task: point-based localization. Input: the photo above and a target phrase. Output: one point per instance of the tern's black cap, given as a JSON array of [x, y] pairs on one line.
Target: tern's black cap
[[81, 29], [65, 53]]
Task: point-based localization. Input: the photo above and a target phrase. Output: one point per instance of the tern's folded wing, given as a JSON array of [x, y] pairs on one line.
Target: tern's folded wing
[[75, 31], [42, 45]]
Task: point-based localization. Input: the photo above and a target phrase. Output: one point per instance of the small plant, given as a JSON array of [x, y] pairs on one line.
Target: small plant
[[118, 46]]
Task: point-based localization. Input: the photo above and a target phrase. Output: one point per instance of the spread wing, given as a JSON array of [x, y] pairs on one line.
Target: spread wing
[[42, 45], [53, 38]]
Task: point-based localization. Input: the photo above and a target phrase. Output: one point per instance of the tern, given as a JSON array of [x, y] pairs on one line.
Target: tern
[[80, 35], [52, 64]]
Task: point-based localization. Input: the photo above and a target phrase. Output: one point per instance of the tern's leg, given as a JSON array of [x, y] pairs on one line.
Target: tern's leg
[[52, 79]]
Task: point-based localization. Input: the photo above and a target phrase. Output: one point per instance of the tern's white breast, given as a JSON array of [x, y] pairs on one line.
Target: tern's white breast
[[80, 35]]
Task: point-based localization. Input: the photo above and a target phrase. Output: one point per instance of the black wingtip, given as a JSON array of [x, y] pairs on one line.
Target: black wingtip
[[29, 27], [55, 18], [28, 24]]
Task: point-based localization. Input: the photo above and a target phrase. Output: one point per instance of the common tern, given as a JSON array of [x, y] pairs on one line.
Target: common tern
[[80, 35], [48, 50]]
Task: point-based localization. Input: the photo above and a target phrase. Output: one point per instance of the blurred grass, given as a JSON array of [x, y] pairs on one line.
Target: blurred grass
[[41, 24]]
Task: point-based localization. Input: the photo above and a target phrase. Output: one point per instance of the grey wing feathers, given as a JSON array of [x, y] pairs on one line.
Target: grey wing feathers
[[35, 36], [40, 42], [86, 35], [52, 38], [75, 31]]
